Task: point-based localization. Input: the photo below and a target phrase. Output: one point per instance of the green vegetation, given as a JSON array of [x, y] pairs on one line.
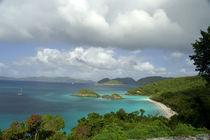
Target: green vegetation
[[113, 96], [128, 80], [119, 125], [147, 80], [112, 82], [201, 57], [189, 96], [36, 127], [116, 81], [86, 93], [122, 125]]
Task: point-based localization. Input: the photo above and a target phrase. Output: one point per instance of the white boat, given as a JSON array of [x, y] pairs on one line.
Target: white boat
[[20, 93]]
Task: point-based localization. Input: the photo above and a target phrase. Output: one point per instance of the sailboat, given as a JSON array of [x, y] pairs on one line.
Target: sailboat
[[20, 93]]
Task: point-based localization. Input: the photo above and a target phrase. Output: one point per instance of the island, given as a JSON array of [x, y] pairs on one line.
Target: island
[[86, 93], [113, 96], [116, 81], [111, 82]]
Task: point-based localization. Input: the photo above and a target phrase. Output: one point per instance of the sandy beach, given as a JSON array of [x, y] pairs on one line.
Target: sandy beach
[[167, 112]]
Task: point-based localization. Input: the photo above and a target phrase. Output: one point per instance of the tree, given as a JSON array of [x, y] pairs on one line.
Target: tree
[[201, 57], [36, 127]]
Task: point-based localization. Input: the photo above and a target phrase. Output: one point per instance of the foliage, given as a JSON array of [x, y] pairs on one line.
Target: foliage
[[126, 80], [36, 127], [113, 96], [189, 96], [85, 91], [119, 125], [201, 57], [112, 82], [147, 80], [122, 125]]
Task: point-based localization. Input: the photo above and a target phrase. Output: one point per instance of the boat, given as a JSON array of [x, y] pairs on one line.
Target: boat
[[20, 93]]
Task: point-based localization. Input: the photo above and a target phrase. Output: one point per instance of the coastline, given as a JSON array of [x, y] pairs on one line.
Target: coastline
[[167, 112]]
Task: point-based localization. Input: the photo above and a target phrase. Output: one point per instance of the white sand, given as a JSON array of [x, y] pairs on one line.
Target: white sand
[[167, 112]]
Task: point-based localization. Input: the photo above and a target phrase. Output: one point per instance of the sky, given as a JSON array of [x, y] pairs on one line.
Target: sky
[[94, 39]]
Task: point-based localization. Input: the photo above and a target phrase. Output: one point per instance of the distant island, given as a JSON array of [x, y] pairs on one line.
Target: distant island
[[47, 79], [104, 81], [116, 81], [129, 80], [111, 82], [88, 93]]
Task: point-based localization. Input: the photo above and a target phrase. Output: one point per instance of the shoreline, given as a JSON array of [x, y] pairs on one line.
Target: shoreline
[[167, 112]]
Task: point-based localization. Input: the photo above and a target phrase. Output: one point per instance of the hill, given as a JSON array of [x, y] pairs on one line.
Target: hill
[[103, 80], [147, 80], [126, 80], [129, 80], [189, 96], [117, 81], [112, 82]]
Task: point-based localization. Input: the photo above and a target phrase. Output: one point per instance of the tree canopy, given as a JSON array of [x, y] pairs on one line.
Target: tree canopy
[[201, 57]]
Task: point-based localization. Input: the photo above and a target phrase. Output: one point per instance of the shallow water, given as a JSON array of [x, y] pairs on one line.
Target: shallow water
[[54, 98]]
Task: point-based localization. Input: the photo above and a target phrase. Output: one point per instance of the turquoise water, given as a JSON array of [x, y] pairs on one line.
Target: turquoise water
[[54, 98]]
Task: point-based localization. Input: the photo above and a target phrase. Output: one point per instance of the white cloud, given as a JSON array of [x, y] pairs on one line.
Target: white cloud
[[145, 66], [84, 63], [135, 24]]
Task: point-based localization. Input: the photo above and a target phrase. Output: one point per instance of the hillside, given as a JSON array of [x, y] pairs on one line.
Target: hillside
[[112, 82], [103, 80], [188, 96], [126, 80], [147, 80]]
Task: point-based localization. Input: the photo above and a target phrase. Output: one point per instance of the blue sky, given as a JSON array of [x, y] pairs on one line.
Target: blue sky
[[93, 39]]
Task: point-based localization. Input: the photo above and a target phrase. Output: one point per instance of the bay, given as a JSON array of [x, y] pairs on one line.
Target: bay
[[54, 98]]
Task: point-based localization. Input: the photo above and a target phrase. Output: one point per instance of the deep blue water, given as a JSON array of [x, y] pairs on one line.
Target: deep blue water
[[54, 98]]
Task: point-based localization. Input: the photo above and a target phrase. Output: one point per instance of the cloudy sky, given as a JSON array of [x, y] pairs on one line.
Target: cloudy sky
[[93, 39]]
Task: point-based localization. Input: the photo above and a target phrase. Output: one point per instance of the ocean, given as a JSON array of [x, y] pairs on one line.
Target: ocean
[[54, 98]]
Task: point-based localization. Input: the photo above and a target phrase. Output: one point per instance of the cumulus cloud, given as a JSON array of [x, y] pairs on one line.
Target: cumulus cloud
[[85, 63], [136, 24]]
